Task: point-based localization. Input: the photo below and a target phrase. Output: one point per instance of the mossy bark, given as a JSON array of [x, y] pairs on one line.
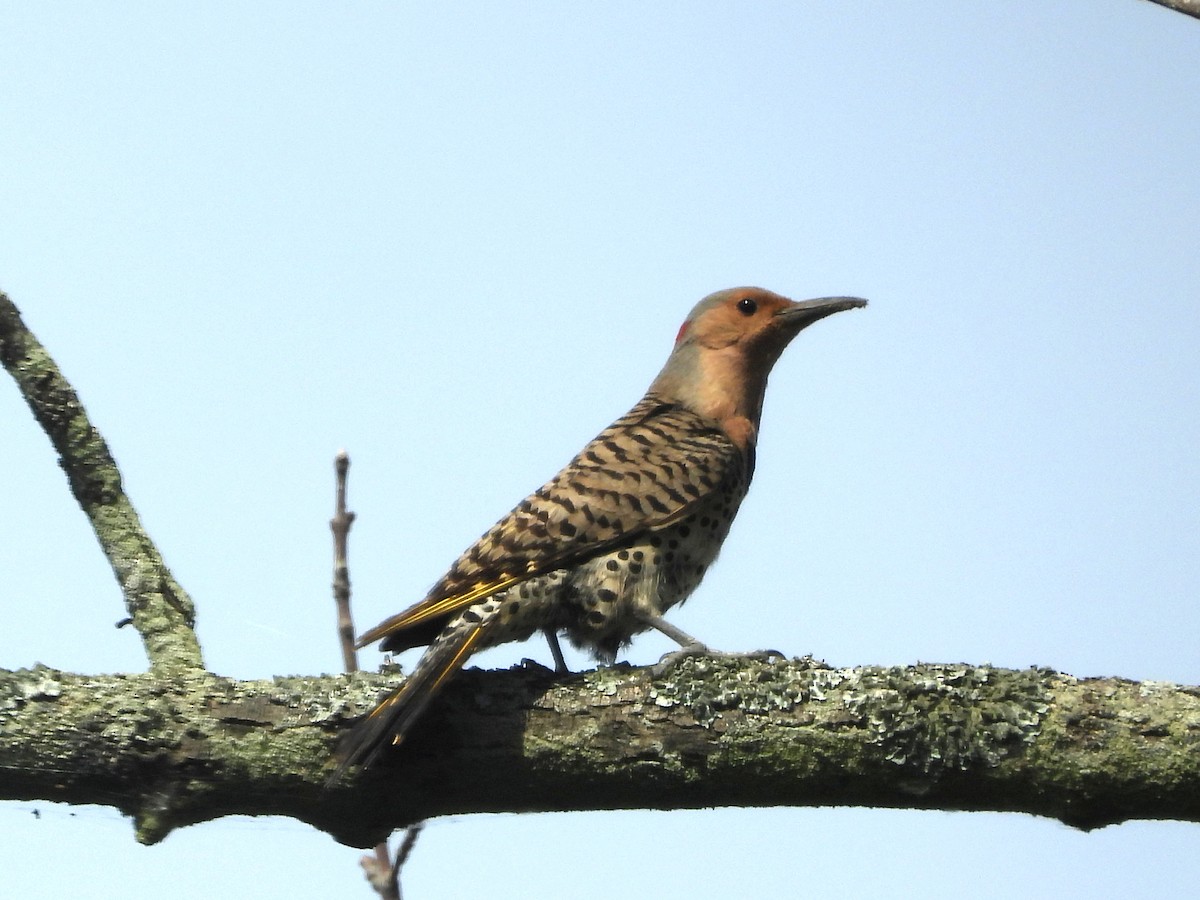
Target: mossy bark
[[711, 733], [156, 603]]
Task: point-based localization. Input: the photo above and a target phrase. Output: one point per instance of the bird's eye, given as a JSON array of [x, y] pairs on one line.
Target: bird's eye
[[747, 307]]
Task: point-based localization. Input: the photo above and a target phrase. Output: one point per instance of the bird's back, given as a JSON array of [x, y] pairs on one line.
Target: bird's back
[[634, 518]]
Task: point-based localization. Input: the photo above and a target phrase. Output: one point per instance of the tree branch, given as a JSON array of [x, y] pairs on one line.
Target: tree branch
[[712, 733], [1187, 7], [178, 745], [381, 872], [158, 606]]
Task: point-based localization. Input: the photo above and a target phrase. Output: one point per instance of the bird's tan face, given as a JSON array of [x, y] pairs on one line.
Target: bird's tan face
[[726, 348], [731, 340], [744, 317]]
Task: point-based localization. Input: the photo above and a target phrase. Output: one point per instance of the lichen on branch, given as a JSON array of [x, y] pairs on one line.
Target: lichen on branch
[[1089, 752], [157, 605]]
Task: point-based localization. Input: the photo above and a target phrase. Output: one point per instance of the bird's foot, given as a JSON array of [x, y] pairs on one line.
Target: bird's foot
[[533, 665], [675, 657], [687, 651]]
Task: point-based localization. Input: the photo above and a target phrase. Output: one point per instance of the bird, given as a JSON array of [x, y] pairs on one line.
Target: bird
[[625, 531]]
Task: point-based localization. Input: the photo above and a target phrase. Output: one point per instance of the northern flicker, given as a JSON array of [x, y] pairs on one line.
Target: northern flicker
[[624, 532]]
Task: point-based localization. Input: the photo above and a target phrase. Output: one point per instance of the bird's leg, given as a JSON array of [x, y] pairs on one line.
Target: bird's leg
[[560, 664], [675, 633], [690, 646]]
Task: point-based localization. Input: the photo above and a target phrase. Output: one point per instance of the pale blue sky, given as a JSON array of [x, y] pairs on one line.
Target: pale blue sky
[[459, 240]]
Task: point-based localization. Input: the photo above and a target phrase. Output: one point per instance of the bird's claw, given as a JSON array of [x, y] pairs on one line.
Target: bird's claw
[[533, 665], [672, 659]]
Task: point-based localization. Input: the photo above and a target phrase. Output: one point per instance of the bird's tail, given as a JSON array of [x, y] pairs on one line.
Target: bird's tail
[[391, 719]]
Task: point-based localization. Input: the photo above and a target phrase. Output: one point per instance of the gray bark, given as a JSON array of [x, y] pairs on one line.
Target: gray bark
[[1187, 7], [174, 752]]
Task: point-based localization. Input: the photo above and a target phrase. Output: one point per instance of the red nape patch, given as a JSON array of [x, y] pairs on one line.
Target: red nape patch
[[682, 331]]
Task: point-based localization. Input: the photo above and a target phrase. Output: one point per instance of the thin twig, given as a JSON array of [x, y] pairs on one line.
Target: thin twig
[[157, 604], [340, 525], [382, 874], [402, 852]]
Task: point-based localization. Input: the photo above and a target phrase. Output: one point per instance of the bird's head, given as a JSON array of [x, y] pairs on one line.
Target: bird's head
[[726, 347]]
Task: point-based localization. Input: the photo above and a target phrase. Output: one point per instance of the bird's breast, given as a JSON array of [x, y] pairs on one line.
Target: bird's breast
[[606, 599]]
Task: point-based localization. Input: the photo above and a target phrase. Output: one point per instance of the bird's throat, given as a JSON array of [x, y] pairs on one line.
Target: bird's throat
[[731, 396]]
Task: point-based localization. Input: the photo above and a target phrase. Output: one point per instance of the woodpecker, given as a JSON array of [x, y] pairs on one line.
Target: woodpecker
[[624, 532]]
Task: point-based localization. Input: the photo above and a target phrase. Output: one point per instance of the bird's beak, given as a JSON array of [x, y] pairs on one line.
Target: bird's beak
[[802, 314]]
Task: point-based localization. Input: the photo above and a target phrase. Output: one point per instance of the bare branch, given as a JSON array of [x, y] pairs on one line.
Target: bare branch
[[157, 605], [340, 525], [382, 874], [406, 847], [1187, 7]]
